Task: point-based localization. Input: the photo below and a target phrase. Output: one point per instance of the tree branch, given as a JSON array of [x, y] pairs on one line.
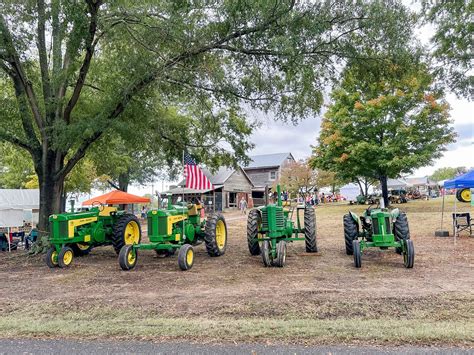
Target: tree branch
[[43, 57], [93, 10]]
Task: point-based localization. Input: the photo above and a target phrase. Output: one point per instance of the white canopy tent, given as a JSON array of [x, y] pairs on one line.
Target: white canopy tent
[[15, 204]]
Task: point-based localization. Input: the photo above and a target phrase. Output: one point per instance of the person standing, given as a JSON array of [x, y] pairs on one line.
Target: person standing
[[243, 205]]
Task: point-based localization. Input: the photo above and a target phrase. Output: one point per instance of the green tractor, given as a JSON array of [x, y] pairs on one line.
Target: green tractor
[[378, 228], [270, 227], [76, 233], [179, 227]]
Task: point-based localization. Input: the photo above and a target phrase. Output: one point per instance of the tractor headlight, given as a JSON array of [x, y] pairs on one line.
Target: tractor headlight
[[367, 220]]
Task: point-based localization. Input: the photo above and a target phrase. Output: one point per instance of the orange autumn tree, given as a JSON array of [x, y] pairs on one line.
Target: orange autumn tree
[[386, 118]]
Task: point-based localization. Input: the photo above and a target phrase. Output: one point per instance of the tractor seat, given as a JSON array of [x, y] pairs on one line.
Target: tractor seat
[[192, 210]]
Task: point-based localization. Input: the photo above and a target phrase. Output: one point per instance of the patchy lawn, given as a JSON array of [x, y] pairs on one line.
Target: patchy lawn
[[316, 299]]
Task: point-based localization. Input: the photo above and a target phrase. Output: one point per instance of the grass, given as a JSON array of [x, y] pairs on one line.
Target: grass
[[133, 324]]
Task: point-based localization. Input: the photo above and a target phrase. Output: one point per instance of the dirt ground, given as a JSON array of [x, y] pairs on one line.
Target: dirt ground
[[433, 303]]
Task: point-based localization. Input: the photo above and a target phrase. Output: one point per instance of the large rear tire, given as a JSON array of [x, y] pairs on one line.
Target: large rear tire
[[127, 231], [216, 235], [401, 230], [310, 230], [351, 232], [463, 195], [81, 249], [254, 220]]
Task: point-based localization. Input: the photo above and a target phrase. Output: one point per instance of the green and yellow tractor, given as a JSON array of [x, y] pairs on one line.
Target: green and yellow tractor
[[178, 228], [378, 228], [76, 233], [271, 227]]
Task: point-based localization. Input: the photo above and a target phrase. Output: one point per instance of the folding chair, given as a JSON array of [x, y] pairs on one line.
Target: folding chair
[[461, 222]]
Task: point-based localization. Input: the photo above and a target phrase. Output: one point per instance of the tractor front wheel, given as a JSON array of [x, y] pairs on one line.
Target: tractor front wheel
[[409, 254], [128, 257], [126, 231], [186, 257], [463, 195], [401, 230], [357, 253], [254, 220], [281, 254], [310, 230], [267, 253], [51, 258], [351, 232], [65, 257], [216, 235]]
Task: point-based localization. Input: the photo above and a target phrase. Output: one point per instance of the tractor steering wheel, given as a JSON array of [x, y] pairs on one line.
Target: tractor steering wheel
[[99, 205]]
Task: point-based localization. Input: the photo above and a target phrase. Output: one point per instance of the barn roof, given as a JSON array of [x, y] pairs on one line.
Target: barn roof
[[268, 160]]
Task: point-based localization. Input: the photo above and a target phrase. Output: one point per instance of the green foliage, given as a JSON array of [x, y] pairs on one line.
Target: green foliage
[[385, 120], [16, 168], [453, 42], [447, 173], [298, 177]]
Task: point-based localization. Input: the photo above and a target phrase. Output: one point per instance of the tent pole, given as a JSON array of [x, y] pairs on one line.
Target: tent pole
[[8, 240], [442, 209], [455, 212]]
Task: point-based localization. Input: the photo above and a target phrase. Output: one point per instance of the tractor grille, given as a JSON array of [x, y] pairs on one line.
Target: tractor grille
[[162, 225], [388, 225], [264, 219], [63, 232], [280, 220], [150, 230], [375, 226]]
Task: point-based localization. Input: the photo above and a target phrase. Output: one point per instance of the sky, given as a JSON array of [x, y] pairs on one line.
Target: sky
[[278, 137]]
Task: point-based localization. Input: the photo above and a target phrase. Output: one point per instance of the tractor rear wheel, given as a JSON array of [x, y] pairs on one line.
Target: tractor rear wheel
[[281, 254], [165, 253], [216, 235], [310, 230], [65, 257], [409, 254], [81, 249], [128, 257], [351, 232], [254, 220], [357, 253], [401, 230], [266, 253], [51, 257], [463, 195], [126, 231], [186, 257]]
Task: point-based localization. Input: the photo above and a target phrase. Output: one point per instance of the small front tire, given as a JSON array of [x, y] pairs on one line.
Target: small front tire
[[357, 253], [65, 257], [186, 257], [51, 258], [128, 257], [266, 254], [281, 254], [409, 254]]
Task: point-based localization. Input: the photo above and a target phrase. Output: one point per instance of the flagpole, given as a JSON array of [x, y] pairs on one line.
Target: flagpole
[[185, 177]]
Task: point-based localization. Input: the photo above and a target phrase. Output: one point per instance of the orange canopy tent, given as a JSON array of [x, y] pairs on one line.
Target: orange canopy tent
[[116, 197]]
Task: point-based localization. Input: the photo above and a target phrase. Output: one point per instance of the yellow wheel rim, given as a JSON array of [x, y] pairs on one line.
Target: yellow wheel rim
[[132, 233], [54, 257], [82, 246], [131, 257], [220, 234], [67, 258], [466, 195], [189, 257]]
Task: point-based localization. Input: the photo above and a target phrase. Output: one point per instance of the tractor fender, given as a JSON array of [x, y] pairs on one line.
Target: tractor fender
[[395, 213], [354, 217]]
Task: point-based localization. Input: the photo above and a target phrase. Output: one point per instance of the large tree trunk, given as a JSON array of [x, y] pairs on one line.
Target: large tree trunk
[[124, 180], [383, 184], [51, 190]]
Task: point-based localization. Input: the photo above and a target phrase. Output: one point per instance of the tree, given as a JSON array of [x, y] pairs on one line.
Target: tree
[[453, 42], [298, 178], [72, 71], [385, 119], [447, 173], [325, 178]]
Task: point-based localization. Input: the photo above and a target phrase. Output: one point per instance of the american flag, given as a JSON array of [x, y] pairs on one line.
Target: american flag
[[195, 178]]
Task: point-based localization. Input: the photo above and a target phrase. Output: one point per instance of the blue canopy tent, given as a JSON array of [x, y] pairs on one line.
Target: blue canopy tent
[[464, 181]]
